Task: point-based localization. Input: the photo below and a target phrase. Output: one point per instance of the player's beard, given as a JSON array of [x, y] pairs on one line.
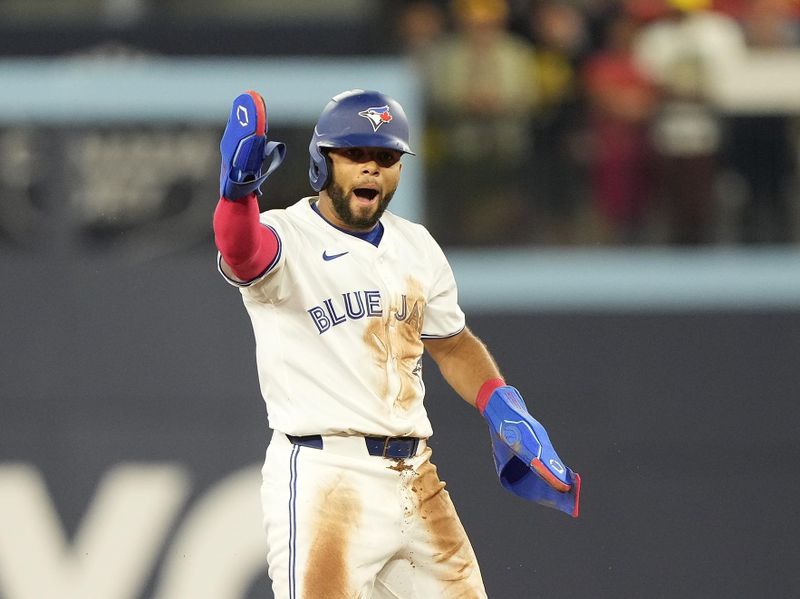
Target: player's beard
[[341, 205]]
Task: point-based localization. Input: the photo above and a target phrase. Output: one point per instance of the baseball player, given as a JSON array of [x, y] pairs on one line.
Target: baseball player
[[344, 298]]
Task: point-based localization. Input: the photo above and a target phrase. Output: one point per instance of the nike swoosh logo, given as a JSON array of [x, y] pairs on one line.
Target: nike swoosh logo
[[327, 257]]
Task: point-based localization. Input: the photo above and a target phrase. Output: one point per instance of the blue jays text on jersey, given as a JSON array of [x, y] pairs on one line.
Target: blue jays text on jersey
[[355, 305]]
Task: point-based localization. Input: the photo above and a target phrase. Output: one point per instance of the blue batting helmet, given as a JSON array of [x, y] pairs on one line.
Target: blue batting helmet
[[356, 119]]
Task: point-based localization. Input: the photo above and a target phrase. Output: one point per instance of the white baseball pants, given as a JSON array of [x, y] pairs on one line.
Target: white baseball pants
[[342, 523]]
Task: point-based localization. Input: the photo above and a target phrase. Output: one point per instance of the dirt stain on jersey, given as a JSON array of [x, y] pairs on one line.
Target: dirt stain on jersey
[[376, 339], [400, 466], [338, 512], [446, 534], [408, 342], [396, 345]]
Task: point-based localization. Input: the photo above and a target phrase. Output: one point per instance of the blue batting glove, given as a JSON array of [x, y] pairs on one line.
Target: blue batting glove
[[509, 419], [244, 148]]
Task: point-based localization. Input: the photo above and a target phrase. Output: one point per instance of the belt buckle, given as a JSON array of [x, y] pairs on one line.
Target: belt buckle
[[408, 444]]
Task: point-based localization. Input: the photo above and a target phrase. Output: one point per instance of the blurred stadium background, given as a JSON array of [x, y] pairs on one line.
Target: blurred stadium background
[[614, 182]]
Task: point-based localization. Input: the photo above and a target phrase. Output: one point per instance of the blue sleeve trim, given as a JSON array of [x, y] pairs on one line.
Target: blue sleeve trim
[[424, 336]]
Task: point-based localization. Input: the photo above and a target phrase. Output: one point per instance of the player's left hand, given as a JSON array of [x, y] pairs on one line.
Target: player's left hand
[[516, 430]]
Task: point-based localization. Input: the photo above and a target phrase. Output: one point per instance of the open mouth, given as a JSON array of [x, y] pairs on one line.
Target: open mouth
[[366, 194]]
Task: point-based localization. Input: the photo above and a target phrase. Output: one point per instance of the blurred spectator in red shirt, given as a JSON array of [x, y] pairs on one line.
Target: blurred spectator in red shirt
[[622, 101]]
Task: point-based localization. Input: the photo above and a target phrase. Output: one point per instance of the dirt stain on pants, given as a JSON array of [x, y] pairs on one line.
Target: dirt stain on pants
[[337, 517]]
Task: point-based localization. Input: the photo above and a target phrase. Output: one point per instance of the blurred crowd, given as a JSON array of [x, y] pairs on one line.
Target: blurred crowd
[[596, 121], [557, 122]]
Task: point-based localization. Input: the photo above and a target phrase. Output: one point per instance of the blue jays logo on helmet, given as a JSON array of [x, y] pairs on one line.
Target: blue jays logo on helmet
[[356, 119], [377, 115]]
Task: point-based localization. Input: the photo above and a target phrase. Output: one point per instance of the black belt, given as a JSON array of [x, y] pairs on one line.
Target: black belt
[[395, 448]]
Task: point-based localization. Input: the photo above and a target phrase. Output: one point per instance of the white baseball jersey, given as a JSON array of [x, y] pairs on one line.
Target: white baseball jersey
[[339, 324]]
